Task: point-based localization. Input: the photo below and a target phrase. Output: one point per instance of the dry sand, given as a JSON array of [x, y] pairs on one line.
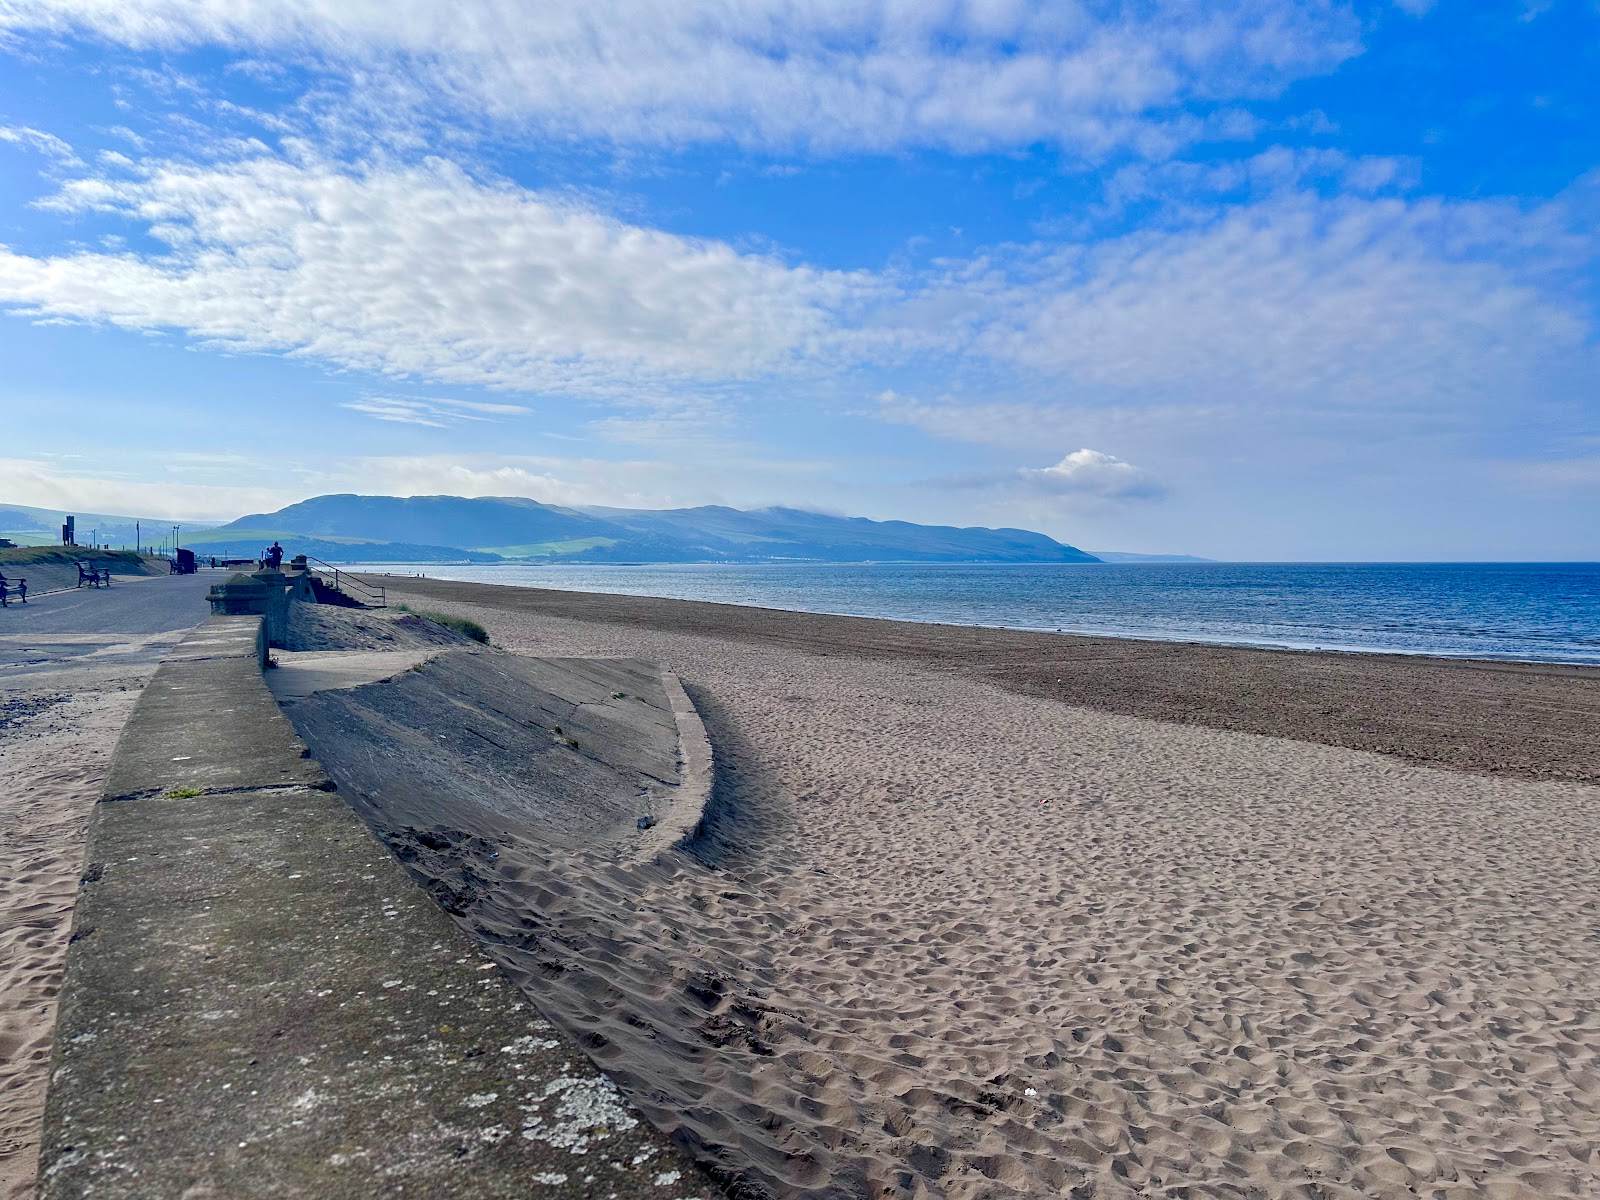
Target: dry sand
[[64, 698], [56, 736], [950, 936], [948, 939]]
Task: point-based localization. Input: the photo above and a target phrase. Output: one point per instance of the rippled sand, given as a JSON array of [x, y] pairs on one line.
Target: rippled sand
[[949, 940]]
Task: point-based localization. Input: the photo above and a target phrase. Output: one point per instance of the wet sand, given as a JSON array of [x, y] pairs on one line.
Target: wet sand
[[947, 935]]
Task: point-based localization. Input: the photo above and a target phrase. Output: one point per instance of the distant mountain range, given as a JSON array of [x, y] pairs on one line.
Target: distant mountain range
[[373, 528], [349, 528]]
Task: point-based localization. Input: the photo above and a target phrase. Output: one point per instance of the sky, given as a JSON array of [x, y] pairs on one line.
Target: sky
[[1262, 281]]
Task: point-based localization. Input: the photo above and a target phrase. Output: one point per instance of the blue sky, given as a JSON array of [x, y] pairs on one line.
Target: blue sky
[[1262, 281]]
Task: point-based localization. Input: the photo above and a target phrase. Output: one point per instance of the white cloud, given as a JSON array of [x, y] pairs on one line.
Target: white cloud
[[686, 430], [1291, 304], [41, 142], [534, 477], [1025, 425], [1274, 171], [46, 484], [813, 73], [1294, 298], [431, 411], [625, 483], [1093, 473], [1284, 309], [160, 489], [421, 271], [1082, 475]]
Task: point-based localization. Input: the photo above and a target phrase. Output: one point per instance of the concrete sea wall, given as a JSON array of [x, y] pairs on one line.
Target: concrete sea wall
[[259, 1002]]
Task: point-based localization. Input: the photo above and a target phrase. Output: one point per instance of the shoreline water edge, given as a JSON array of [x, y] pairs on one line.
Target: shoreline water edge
[[1513, 612]]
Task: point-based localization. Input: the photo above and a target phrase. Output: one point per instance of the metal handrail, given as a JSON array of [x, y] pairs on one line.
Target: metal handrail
[[376, 595]]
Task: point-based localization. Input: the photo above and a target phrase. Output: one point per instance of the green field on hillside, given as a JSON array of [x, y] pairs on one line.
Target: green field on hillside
[[548, 549], [213, 537]]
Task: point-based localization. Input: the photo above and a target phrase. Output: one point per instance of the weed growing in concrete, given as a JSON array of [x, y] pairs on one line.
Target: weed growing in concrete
[[184, 793]]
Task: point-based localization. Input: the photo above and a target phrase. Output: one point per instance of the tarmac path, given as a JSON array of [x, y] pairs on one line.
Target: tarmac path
[[134, 621]]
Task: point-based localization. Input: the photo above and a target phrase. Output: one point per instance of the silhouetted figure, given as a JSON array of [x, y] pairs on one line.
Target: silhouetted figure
[[274, 556]]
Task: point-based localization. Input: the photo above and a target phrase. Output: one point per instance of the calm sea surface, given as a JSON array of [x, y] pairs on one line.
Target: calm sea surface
[[1542, 612]]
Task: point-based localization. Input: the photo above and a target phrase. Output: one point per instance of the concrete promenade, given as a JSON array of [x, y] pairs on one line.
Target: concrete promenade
[[131, 623], [260, 1003]]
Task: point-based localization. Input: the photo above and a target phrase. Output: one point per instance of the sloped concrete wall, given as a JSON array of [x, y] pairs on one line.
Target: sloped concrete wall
[[259, 1003]]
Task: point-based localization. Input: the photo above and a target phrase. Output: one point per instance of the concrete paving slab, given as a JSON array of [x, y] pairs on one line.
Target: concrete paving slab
[[222, 637], [696, 768], [186, 734], [262, 1004]]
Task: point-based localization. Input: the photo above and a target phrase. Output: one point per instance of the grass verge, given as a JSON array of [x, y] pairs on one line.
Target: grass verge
[[460, 624]]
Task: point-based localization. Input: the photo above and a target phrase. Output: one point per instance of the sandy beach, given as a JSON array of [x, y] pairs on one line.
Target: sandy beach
[[951, 937], [69, 676], [56, 737], [967, 922]]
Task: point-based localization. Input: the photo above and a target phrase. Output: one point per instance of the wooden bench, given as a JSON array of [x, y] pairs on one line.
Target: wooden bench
[[92, 575]]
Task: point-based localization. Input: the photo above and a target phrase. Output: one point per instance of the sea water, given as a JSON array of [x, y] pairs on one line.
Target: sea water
[[1535, 612]]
